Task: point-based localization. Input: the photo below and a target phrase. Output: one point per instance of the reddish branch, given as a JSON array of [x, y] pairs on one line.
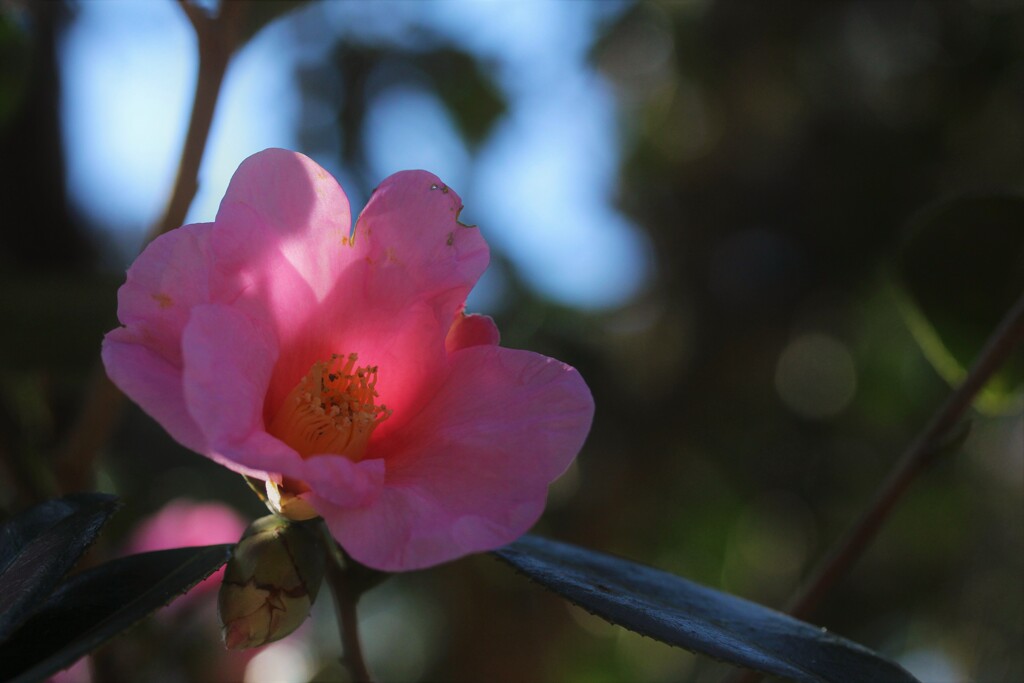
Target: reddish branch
[[922, 453]]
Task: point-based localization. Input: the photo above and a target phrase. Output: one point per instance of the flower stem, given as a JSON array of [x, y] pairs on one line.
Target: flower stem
[[346, 597], [217, 38], [932, 442]]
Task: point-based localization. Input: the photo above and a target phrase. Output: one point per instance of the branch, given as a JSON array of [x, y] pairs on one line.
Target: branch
[[932, 442], [921, 453], [216, 40]]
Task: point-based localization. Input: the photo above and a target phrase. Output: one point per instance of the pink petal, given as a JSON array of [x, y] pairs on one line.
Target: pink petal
[[342, 483], [471, 471], [299, 207], [279, 297], [153, 382], [282, 239], [471, 330], [259, 455], [410, 226], [228, 360], [170, 276], [157, 386]]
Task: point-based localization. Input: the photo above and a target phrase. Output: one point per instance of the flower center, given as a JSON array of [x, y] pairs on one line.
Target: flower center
[[331, 410]]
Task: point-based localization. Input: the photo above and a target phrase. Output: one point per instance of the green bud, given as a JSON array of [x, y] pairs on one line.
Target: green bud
[[270, 583]]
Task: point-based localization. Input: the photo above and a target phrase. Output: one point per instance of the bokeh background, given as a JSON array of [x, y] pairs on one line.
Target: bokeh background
[[732, 217]]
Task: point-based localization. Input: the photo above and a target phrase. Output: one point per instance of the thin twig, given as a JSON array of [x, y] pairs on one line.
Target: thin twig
[[216, 40], [345, 600], [921, 453]]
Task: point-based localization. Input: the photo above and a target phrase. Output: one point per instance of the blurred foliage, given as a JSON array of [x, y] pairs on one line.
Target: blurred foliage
[[259, 14], [36, 235], [774, 153], [963, 264], [14, 67], [363, 73]]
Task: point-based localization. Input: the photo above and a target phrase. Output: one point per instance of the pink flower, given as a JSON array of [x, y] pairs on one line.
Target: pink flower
[[183, 523], [340, 367]]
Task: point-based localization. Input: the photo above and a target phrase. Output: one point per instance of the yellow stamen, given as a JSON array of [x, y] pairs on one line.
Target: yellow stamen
[[331, 410]]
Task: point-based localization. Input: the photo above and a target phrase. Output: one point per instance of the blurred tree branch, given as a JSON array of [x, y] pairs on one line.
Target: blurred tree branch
[[217, 38], [942, 431], [938, 435]]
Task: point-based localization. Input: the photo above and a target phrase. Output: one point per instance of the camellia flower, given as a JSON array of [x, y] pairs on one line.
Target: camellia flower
[[339, 366]]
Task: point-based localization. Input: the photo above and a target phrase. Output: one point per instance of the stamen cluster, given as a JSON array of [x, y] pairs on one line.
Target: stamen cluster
[[332, 409]]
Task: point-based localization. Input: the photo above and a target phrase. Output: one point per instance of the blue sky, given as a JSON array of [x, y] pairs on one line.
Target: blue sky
[[541, 187]]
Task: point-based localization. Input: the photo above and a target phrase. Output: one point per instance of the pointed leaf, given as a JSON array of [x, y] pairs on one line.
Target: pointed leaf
[[679, 612], [97, 604], [39, 546]]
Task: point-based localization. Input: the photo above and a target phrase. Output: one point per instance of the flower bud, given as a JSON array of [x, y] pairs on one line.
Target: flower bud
[[270, 583]]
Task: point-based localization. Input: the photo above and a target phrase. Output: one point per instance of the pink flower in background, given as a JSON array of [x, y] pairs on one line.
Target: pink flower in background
[[340, 367], [190, 622], [183, 523]]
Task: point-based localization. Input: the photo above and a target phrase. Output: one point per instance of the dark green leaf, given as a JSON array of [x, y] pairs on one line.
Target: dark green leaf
[[97, 604], [679, 612], [963, 267], [39, 546]]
